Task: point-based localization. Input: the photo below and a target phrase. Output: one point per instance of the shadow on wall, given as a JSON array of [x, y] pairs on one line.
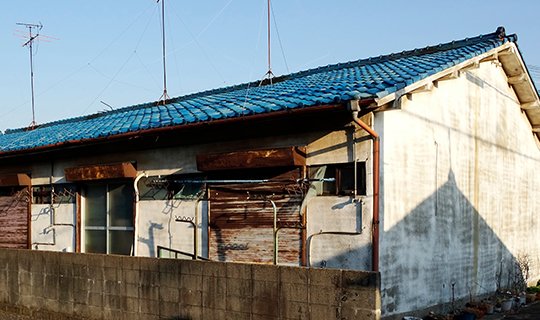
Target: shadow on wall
[[443, 250], [150, 242]]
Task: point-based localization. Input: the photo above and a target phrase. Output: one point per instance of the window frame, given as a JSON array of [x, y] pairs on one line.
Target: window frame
[[107, 227], [335, 170]]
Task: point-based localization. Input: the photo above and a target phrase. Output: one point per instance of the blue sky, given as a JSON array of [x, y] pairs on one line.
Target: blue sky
[[110, 51]]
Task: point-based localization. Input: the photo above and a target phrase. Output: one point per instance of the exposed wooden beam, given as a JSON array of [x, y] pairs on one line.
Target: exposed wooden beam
[[425, 88], [453, 75], [530, 105], [471, 66], [493, 57], [507, 52], [536, 128], [517, 79]]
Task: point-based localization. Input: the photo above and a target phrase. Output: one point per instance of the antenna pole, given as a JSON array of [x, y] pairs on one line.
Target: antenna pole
[[32, 80], [29, 43], [269, 61], [164, 96]]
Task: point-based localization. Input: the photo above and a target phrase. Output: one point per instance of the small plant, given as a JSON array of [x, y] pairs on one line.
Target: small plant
[[533, 290]]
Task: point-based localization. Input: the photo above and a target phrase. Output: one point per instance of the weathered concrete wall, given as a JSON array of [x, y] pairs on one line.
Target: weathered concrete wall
[[460, 192], [89, 286], [326, 214], [157, 226], [59, 237], [339, 227]]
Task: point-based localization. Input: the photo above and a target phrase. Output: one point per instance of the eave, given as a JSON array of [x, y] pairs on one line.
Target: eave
[[508, 56]]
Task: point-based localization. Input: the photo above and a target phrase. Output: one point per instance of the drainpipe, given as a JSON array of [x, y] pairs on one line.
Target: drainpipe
[[354, 108], [196, 236], [275, 232], [136, 214]]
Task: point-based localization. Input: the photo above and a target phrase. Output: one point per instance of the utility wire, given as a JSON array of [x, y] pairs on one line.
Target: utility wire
[[110, 82], [197, 42], [121, 34], [279, 38], [253, 60]]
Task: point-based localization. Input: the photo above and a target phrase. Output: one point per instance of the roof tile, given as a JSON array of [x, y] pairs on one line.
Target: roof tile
[[361, 79]]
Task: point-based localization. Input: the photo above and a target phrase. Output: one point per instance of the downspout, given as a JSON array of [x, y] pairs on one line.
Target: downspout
[[136, 214], [354, 108], [196, 236], [275, 232]]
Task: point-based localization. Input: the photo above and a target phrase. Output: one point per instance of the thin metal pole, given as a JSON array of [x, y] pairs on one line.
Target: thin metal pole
[[32, 80], [269, 60], [164, 68]]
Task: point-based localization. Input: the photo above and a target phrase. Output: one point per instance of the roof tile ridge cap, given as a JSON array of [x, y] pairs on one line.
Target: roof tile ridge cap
[[392, 56]]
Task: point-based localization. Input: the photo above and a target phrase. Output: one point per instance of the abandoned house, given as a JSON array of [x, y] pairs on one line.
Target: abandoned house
[[420, 164]]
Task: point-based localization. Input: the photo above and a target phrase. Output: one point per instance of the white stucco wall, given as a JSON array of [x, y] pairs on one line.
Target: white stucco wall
[[59, 236], [460, 191], [158, 227]]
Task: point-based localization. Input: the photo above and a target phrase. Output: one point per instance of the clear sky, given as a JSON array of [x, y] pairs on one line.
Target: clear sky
[[111, 51]]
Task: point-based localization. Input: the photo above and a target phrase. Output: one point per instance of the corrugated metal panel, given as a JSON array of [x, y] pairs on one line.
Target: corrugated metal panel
[[14, 220], [241, 221]]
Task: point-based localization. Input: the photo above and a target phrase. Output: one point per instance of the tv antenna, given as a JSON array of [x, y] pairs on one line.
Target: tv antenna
[[30, 38], [269, 73], [164, 96]]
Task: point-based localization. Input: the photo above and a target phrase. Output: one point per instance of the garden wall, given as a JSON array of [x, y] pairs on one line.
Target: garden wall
[[61, 285]]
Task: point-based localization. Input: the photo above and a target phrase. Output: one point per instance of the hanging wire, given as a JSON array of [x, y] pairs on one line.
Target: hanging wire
[[171, 39], [253, 61], [279, 38], [121, 34], [137, 47], [108, 84], [197, 42], [302, 9], [113, 79]]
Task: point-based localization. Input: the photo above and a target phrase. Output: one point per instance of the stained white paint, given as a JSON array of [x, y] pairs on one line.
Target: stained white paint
[[53, 237], [460, 191]]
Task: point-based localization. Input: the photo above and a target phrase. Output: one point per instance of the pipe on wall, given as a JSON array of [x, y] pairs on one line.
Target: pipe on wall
[[354, 108], [53, 218], [328, 232], [136, 213]]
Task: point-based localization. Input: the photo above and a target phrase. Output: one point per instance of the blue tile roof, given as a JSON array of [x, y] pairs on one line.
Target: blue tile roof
[[362, 79]]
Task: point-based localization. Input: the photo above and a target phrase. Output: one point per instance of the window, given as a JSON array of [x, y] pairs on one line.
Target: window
[[178, 187], [343, 175], [108, 218]]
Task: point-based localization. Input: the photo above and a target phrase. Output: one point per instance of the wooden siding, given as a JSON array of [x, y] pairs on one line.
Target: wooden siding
[[14, 219], [242, 220]]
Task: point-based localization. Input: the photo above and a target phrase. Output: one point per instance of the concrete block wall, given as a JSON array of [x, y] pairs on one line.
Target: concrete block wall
[[60, 285]]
